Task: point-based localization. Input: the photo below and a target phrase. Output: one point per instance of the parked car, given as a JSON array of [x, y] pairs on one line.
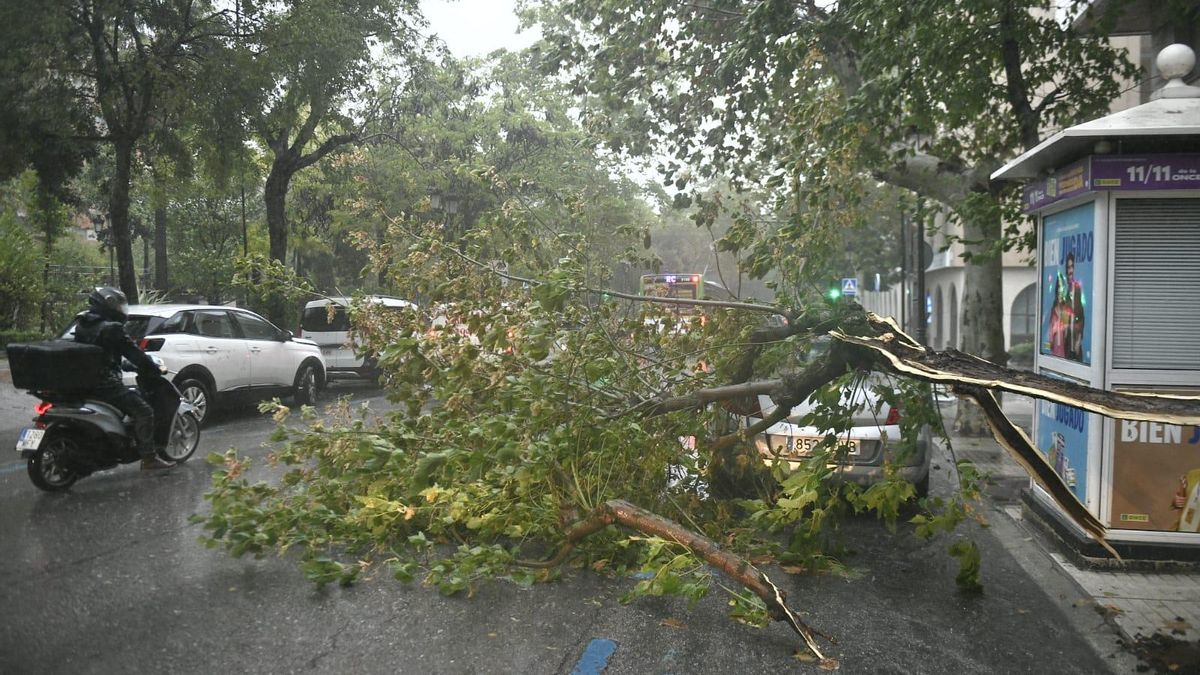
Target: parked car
[[873, 437], [330, 329], [217, 354]]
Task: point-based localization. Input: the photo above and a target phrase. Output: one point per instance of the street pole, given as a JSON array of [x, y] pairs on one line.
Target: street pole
[[923, 322], [903, 271]]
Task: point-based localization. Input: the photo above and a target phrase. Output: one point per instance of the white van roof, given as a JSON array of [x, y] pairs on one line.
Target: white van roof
[[346, 301]]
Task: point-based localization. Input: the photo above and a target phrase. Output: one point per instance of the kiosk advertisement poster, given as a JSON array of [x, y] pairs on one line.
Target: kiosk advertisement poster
[[1068, 241], [1156, 477], [1062, 437]]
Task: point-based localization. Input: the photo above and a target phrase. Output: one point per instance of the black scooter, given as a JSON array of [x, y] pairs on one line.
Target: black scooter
[[74, 436]]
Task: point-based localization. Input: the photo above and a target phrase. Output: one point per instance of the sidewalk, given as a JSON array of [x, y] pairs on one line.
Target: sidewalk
[[1151, 609]]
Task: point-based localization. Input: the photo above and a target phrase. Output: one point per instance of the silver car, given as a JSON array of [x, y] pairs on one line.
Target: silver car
[[872, 440]]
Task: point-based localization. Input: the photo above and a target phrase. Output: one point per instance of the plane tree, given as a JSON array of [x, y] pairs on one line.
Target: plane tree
[[820, 99]]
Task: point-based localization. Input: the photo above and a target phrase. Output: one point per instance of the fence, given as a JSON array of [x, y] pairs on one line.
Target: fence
[[68, 289]]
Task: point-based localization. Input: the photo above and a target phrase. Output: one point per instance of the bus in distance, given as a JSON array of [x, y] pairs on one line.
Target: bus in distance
[[682, 286]]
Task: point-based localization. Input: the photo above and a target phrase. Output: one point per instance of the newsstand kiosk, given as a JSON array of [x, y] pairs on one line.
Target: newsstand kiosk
[[1117, 204]]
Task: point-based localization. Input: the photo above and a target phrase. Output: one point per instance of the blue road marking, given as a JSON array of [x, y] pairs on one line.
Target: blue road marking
[[595, 657], [11, 468]]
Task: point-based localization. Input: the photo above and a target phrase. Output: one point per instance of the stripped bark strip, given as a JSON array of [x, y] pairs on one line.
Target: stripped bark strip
[[618, 511], [1013, 439], [952, 367]]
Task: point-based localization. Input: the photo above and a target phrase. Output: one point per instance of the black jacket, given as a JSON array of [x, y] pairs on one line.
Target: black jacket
[[111, 336]]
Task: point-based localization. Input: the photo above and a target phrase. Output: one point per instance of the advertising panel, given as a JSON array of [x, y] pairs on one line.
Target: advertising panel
[[1114, 173], [1070, 181], [1145, 172], [1068, 242], [1062, 436], [1156, 477]]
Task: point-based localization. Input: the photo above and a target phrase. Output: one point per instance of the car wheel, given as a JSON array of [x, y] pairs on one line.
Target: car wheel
[[196, 392], [48, 467], [306, 385]]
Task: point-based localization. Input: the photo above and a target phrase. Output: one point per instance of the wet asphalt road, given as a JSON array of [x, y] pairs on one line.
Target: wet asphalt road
[[109, 578]]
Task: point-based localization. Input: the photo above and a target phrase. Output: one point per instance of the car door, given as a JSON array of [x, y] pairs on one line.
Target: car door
[[272, 363], [220, 349]]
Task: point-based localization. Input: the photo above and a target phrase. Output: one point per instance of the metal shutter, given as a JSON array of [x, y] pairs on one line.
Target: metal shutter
[[1156, 284]]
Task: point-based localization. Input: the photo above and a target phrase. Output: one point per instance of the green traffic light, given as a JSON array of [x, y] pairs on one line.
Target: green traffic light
[[835, 294]]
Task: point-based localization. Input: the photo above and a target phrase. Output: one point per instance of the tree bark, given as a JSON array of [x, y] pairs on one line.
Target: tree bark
[[982, 306], [619, 511], [118, 218], [275, 195]]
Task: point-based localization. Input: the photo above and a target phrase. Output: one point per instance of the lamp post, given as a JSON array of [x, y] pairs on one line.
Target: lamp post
[[448, 203]]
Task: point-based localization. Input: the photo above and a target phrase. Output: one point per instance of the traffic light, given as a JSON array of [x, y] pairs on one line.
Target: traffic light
[[833, 290]]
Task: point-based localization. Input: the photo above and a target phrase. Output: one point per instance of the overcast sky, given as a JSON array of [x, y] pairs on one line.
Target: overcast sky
[[476, 27]]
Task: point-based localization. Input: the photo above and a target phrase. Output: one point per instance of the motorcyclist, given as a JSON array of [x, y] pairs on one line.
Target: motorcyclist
[[104, 325]]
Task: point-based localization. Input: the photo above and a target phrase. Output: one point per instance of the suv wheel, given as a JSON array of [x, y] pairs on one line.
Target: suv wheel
[[196, 392], [306, 385]]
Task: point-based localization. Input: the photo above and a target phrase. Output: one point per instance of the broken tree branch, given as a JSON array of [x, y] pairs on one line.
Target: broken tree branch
[[617, 511], [953, 367], [1013, 439]]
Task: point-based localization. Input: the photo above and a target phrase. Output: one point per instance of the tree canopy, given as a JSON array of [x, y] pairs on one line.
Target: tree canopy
[[819, 99]]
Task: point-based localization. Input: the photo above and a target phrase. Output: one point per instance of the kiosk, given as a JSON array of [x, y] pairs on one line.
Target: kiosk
[[1117, 205]]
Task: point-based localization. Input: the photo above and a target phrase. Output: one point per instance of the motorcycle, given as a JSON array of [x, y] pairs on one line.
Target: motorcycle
[[74, 436]]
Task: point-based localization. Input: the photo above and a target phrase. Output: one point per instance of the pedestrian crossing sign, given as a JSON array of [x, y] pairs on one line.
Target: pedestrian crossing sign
[[850, 286]]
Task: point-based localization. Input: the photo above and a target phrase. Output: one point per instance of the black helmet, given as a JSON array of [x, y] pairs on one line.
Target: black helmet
[[109, 303]]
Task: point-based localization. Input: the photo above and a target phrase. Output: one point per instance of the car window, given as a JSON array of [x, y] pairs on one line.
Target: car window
[[819, 348], [255, 328], [213, 323], [176, 323], [316, 319], [139, 326]]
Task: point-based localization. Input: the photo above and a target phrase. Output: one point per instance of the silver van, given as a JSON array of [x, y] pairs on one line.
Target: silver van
[[332, 332]]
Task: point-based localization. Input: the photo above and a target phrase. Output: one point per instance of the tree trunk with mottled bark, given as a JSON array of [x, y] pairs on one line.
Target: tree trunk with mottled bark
[[982, 307]]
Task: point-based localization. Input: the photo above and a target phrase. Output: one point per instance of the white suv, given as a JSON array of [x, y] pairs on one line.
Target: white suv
[[331, 331], [214, 353]]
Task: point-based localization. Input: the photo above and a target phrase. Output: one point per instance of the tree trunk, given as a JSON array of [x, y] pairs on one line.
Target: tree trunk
[[161, 276], [50, 227], [275, 195], [982, 306], [118, 218]]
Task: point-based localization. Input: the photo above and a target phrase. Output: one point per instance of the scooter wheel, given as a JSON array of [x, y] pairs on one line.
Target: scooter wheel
[[185, 436], [48, 467]]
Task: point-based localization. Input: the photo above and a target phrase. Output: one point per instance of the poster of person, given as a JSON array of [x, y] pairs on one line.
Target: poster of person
[[1156, 477], [1068, 241], [1062, 436]]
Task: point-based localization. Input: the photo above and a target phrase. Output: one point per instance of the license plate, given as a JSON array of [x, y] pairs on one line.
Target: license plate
[[30, 439], [803, 446]]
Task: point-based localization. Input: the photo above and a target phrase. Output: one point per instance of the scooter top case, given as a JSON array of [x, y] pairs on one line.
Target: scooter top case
[[57, 366]]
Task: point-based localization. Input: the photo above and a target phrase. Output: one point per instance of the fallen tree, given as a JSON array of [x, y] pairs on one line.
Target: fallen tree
[[535, 423]]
